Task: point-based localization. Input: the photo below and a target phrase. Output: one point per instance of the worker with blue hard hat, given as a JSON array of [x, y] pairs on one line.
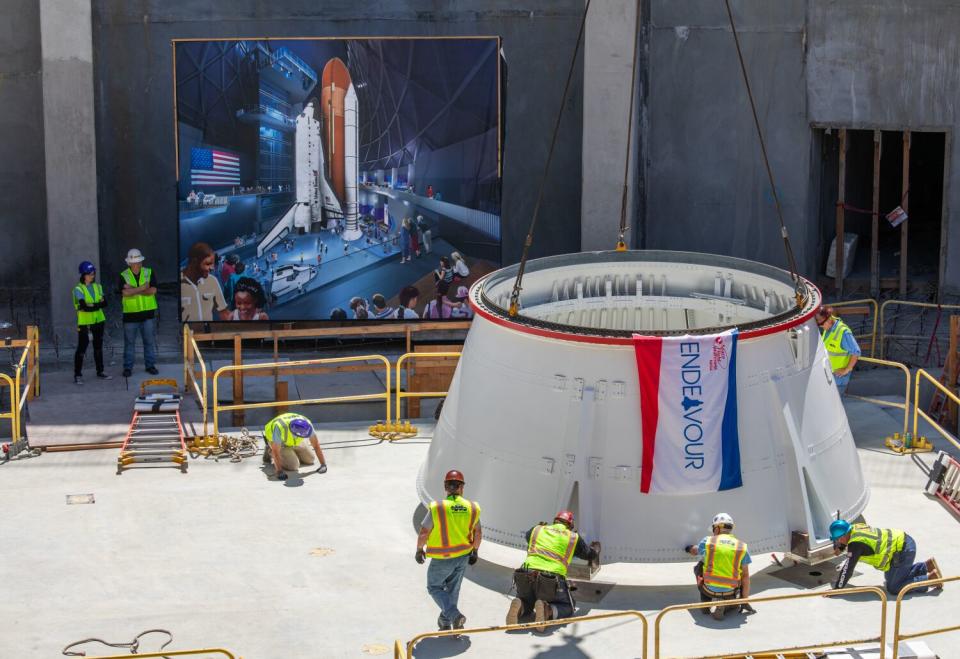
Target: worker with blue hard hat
[[88, 301], [889, 550], [283, 438]]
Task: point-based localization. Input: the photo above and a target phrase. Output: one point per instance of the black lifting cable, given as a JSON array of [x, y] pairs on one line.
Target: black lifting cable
[[791, 261], [621, 244], [517, 285]]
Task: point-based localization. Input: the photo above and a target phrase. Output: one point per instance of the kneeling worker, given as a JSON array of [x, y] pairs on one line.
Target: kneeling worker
[[283, 436], [542, 579], [889, 550], [723, 572]]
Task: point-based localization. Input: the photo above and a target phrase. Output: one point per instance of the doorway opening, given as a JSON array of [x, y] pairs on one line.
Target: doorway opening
[[866, 175]]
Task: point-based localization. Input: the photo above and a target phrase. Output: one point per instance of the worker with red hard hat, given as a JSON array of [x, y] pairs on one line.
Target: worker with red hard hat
[[450, 535], [541, 581]]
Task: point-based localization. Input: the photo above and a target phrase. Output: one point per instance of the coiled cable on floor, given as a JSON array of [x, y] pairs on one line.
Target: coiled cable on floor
[[133, 646]]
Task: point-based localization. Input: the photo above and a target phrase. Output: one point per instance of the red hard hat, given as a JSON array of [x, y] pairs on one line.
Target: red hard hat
[[453, 475], [564, 516]]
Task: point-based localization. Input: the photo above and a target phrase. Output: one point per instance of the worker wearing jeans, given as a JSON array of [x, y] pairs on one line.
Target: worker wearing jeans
[[891, 551], [451, 532], [138, 288]]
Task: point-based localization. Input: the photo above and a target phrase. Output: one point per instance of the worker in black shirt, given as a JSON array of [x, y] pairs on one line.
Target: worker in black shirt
[[889, 550], [542, 579]]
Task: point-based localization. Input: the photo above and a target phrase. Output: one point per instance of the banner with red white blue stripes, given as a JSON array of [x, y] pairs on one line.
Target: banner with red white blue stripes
[[688, 407]]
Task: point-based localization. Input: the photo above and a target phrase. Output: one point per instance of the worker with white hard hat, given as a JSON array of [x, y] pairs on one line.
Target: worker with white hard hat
[[723, 572], [138, 289]]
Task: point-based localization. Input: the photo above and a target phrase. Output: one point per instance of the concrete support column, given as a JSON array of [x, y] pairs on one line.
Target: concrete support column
[[607, 71], [393, 178], [380, 177], [70, 152], [410, 172]]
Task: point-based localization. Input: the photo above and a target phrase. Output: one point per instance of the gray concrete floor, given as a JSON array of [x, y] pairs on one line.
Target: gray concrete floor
[[322, 566]]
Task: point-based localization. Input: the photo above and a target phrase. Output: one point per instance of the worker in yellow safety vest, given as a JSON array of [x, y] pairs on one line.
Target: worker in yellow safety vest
[[138, 291], [450, 536], [889, 550], [541, 581], [723, 572], [89, 303], [842, 349], [283, 438]]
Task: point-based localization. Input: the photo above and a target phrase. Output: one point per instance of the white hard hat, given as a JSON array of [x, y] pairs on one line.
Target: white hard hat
[[723, 519], [134, 256]]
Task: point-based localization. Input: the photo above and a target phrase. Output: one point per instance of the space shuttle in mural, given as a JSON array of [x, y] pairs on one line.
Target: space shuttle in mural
[[325, 161]]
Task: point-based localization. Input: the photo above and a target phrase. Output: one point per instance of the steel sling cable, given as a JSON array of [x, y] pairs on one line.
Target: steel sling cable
[[791, 261], [518, 283], [621, 244]]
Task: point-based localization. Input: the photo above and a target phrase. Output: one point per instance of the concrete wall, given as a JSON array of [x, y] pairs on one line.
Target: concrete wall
[[135, 101], [707, 188], [23, 252], [861, 63], [883, 64]]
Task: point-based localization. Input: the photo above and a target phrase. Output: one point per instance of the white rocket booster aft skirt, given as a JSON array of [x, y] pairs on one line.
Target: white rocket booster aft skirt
[[351, 213], [545, 410]]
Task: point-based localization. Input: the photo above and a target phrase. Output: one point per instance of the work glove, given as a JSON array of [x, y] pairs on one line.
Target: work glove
[[322, 469], [746, 608], [473, 558], [421, 557], [282, 476]]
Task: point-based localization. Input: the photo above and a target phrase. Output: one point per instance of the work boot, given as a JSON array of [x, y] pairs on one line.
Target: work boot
[[933, 572], [459, 621], [152, 370], [516, 610], [77, 379], [127, 372], [718, 612], [542, 613], [442, 624]]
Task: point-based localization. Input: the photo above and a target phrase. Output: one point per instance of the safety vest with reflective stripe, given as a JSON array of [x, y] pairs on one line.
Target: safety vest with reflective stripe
[[288, 438], [839, 358], [722, 561], [551, 548], [138, 303], [884, 543], [454, 520], [85, 318]]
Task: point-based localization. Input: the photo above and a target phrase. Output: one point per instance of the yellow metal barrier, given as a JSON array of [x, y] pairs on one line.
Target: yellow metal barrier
[[191, 352], [418, 394], [923, 305], [873, 334], [897, 636], [917, 412], [773, 598], [398, 650], [30, 362], [905, 405], [171, 653], [217, 407]]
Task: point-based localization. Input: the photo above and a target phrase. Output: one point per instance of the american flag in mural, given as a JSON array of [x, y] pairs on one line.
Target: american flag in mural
[[214, 168]]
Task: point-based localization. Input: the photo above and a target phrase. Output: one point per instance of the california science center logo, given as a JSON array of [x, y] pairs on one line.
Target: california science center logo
[[719, 358]]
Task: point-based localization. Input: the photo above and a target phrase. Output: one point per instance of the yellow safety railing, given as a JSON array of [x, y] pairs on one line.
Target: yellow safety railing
[[171, 653], [217, 407], [23, 390], [773, 598], [917, 412], [905, 405], [897, 636], [873, 333], [191, 352], [399, 653], [418, 394], [923, 305]]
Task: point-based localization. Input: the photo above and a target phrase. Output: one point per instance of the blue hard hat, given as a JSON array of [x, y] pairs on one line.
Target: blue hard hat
[[839, 528], [301, 427], [87, 268]]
